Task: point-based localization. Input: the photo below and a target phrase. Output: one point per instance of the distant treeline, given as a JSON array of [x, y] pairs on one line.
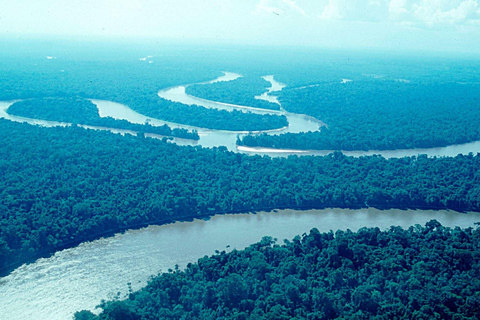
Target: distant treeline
[[62, 186], [83, 111], [380, 115], [429, 272], [241, 91], [376, 111]]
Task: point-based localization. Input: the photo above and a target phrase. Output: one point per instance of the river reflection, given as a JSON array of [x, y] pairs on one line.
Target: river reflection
[[78, 278]]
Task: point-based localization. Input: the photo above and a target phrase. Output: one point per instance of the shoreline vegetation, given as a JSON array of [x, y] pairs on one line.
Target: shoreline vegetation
[[60, 186], [419, 272], [208, 118], [241, 91], [79, 111], [366, 113], [382, 115]]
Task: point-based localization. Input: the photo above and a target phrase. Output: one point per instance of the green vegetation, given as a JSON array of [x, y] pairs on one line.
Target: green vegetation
[[241, 91], [127, 81], [372, 112], [82, 111], [205, 117], [380, 115], [62, 186], [427, 272]]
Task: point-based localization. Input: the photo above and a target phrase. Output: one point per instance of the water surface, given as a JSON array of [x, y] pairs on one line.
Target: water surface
[[79, 278], [274, 86], [215, 138]]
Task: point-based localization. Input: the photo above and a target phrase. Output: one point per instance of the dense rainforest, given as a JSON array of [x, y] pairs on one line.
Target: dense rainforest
[[241, 91], [429, 272], [434, 100], [83, 111], [62, 186], [380, 115], [127, 80], [206, 118]]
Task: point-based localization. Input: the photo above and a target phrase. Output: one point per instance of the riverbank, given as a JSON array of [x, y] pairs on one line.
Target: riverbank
[[78, 278], [225, 138]]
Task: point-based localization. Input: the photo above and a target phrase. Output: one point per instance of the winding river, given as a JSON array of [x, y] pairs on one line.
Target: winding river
[[215, 138], [79, 278], [274, 86], [297, 123]]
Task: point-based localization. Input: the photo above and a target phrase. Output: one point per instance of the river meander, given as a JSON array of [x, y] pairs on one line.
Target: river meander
[[216, 138], [79, 278]]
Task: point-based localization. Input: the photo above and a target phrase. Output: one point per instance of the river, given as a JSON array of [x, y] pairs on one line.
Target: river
[[297, 123], [210, 138], [274, 86], [79, 278]]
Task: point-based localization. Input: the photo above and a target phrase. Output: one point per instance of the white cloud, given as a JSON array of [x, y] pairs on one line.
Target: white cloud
[[426, 13], [397, 9], [292, 4], [279, 7], [264, 6], [355, 10], [435, 12], [332, 11], [441, 24]]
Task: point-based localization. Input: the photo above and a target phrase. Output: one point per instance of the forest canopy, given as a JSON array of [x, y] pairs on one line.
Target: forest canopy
[[62, 186], [82, 111], [380, 115], [240, 91], [429, 272], [206, 118], [130, 82], [392, 102]]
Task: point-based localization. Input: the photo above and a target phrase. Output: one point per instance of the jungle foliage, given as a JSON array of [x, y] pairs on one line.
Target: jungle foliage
[[62, 186], [241, 91], [378, 110], [83, 111], [206, 118], [429, 272], [380, 115], [125, 79]]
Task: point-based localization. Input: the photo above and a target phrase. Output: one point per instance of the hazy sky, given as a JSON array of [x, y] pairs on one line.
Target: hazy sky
[[391, 24]]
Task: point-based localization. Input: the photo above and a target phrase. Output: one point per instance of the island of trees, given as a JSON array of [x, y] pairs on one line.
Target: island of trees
[[375, 111], [204, 117], [241, 91], [129, 82], [62, 186], [82, 111], [429, 272]]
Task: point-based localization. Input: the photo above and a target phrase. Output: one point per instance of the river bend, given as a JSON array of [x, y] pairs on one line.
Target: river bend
[[79, 278], [210, 138]]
